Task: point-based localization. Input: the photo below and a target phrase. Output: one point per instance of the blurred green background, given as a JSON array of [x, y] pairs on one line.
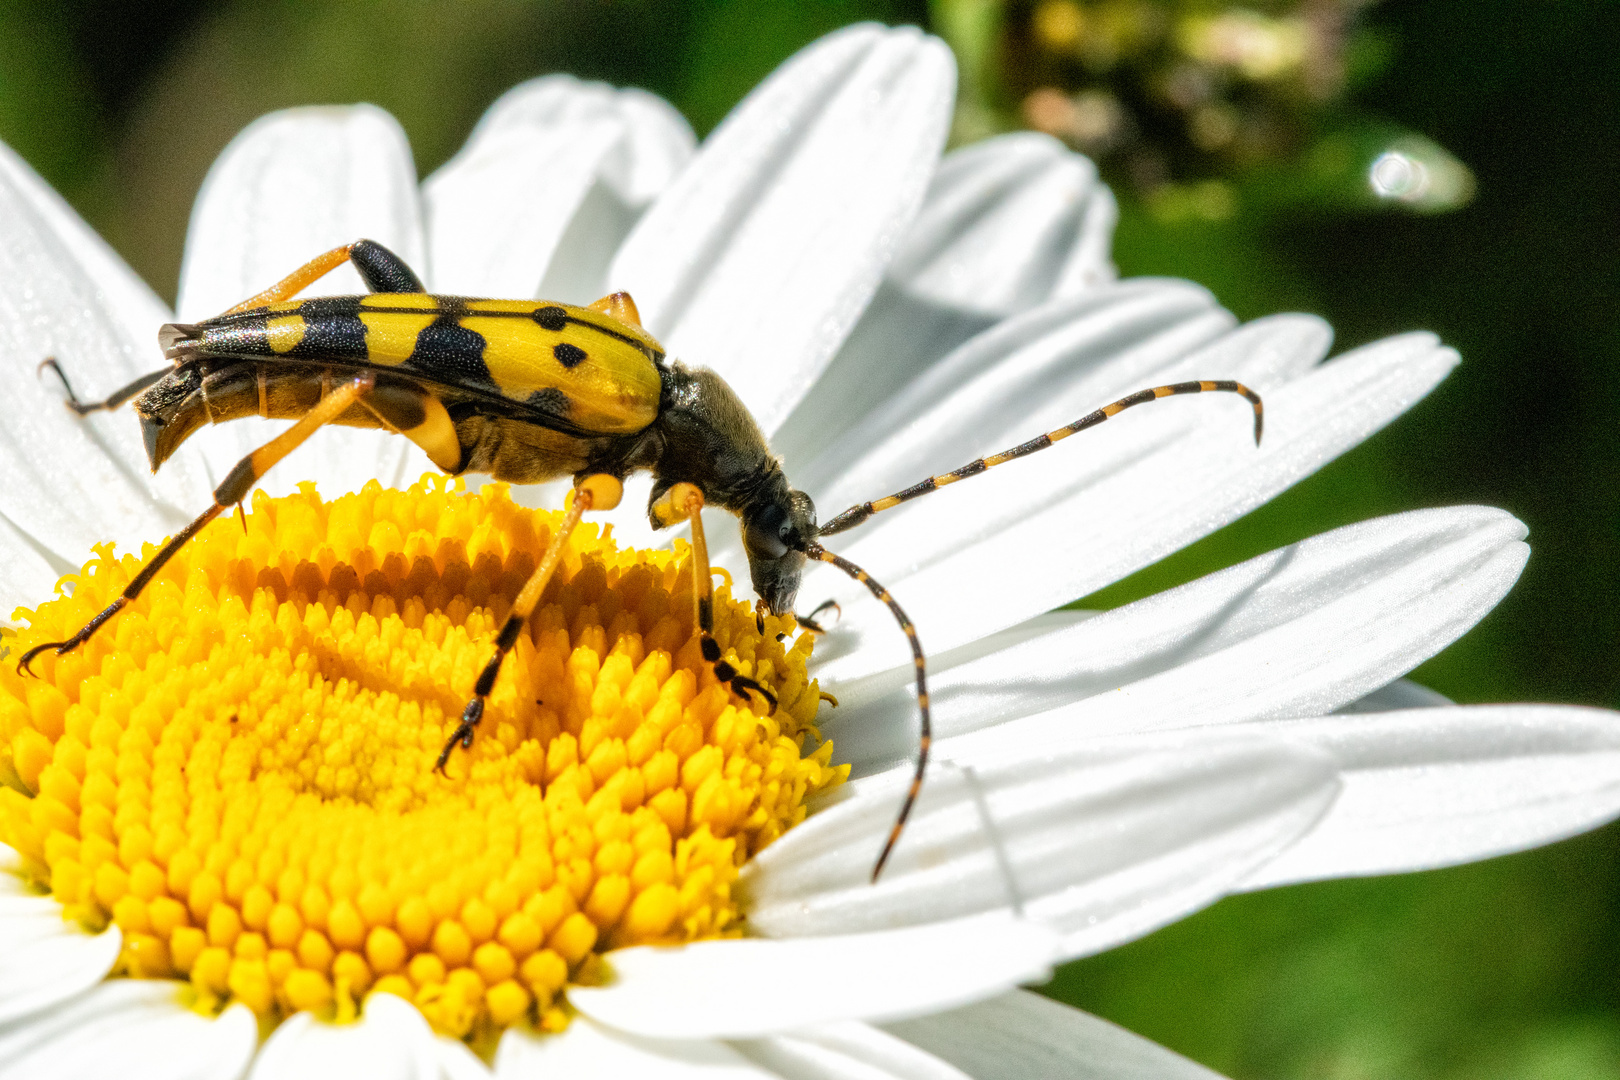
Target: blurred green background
[[1501, 970]]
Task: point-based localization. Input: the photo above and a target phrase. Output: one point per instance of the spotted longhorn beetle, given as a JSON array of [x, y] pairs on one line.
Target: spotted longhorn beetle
[[527, 391]]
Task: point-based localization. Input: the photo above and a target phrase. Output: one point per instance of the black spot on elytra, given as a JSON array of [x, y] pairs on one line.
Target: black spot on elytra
[[329, 305], [450, 351], [568, 355], [551, 401], [551, 318], [332, 329]]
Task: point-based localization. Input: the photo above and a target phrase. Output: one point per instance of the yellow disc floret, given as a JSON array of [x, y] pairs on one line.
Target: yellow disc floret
[[238, 769]]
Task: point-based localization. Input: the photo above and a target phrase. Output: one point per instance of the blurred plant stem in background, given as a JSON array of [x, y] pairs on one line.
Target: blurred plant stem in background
[[1273, 151]]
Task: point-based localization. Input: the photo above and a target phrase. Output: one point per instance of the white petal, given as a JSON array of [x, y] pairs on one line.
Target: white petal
[[846, 1051], [1023, 1036], [457, 1061], [588, 1051], [131, 1028], [1388, 594], [760, 257], [1400, 694], [1008, 224], [44, 960], [31, 570], [1435, 787], [1003, 228], [1102, 843], [548, 186], [747, 988], [292, 185], [70, 482], [1297, 632], [120, 290], [391, 1039], [660, 139], [1064, 524]]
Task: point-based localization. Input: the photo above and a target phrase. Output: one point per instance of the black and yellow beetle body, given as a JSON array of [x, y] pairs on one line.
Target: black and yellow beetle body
[[439, 361], [522, 390], [526, 391]]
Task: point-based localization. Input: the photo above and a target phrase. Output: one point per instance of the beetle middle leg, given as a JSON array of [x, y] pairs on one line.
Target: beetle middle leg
[[684, 502], [238, 482], [596, 492]]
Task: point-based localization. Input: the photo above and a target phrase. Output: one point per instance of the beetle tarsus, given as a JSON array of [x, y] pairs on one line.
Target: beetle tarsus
[[28, 657], [463, 734], [80, 636], [72, 401], [809, 622], [741, 683]]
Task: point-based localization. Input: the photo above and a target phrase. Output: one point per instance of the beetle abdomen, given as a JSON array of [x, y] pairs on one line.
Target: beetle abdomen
[[197, 394]]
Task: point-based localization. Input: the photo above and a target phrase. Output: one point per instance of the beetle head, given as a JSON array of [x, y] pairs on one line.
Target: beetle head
[[776, 532]]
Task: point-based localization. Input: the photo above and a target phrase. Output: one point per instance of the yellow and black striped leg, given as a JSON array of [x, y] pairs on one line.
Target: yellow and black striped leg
[[925, 727], [231, 492], [683, 503], [597, 492], [111, 401], [860, 512]]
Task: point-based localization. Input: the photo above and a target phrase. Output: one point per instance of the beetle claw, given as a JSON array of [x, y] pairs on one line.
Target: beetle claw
[[28, 657]]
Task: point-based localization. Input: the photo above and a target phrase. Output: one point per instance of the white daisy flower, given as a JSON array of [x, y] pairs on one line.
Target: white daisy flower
[[885, 315]]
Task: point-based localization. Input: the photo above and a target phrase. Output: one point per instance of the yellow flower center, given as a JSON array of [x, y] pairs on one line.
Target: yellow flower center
[[238, 769]]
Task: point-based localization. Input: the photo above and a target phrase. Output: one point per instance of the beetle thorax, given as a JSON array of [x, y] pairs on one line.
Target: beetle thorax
[[704, 435]]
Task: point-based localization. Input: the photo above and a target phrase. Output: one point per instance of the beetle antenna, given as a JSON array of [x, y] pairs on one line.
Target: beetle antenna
[[861, 511], [925, 730]]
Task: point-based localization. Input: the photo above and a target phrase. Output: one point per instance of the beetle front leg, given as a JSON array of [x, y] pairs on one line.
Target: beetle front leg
[[684, 502]]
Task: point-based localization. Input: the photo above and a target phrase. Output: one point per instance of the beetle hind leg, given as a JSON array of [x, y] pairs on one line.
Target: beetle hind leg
[[379, 268], [237, 483]]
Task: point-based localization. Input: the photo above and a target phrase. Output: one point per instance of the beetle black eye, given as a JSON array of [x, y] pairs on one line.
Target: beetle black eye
[[767, 535]]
